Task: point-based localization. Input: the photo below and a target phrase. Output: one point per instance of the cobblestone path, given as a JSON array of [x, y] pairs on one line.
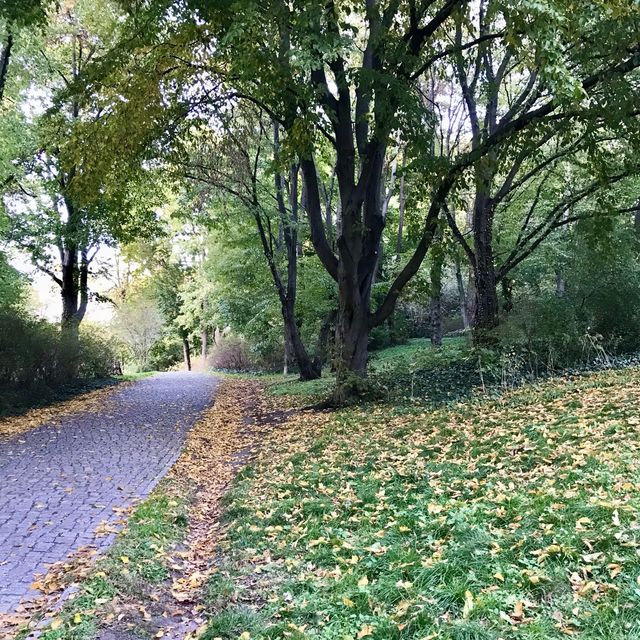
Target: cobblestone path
[[58, 482]]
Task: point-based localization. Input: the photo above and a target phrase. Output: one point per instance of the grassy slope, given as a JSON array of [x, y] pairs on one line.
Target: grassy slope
[[413, 369], [504, 518]]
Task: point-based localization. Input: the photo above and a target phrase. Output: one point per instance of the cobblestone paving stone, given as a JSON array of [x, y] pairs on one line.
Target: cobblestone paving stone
[[58, 482]]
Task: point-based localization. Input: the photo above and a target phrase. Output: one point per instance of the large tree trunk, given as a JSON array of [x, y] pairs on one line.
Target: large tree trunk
[[486, 294], [352, 331], [485, 316], [74, 289], [69, 286]]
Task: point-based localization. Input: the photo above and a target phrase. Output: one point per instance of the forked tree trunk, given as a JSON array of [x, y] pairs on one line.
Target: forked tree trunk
[[74, 286]]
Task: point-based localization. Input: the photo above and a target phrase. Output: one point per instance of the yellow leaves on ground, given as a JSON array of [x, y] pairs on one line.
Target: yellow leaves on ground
[[91, 402], [542, 482]]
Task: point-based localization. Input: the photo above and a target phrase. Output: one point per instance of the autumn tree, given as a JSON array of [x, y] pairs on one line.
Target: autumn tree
[[352, 74], [580, 107]]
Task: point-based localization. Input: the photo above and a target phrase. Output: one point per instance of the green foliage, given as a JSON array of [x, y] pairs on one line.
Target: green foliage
[[37, 359], [13, 287], [596, 311], [25, 12]]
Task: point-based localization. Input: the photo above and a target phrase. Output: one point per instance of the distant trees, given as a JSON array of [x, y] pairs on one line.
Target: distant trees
[[138, 324]]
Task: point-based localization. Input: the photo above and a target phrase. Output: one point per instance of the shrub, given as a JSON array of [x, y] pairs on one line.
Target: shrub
[[394, 331], [231, 353], [36, 357], [166, 352]]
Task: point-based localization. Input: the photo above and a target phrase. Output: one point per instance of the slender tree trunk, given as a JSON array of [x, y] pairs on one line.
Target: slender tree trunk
[[437, 266], [507, 294], [285, 366], [401, 207], [204, 331], [186, 352], [462, 297], [5, 56], [436, 319], [561, 284], [287, 292], [204, 339]]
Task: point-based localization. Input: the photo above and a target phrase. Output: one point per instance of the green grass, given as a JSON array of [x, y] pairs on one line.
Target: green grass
[[131, 566], [410, 371], [137, 375], [515, 517]]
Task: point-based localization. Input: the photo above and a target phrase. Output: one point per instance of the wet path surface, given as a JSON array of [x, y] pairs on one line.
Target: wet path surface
[[58, 483]]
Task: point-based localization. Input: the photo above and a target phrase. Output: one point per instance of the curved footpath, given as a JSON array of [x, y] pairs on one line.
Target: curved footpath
[[59, 482]]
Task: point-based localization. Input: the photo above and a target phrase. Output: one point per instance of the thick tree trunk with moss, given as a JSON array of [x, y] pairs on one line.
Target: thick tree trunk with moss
[[486, 308]]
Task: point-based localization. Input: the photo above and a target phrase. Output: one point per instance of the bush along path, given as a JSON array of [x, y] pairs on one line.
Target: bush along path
[[66, 484], [153, 580]]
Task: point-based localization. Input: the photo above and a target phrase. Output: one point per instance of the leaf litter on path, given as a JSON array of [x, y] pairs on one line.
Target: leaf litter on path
[[90, 402]]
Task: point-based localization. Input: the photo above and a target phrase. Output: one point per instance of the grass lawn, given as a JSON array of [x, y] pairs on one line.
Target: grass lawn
[[513, 517], [411, 370]]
